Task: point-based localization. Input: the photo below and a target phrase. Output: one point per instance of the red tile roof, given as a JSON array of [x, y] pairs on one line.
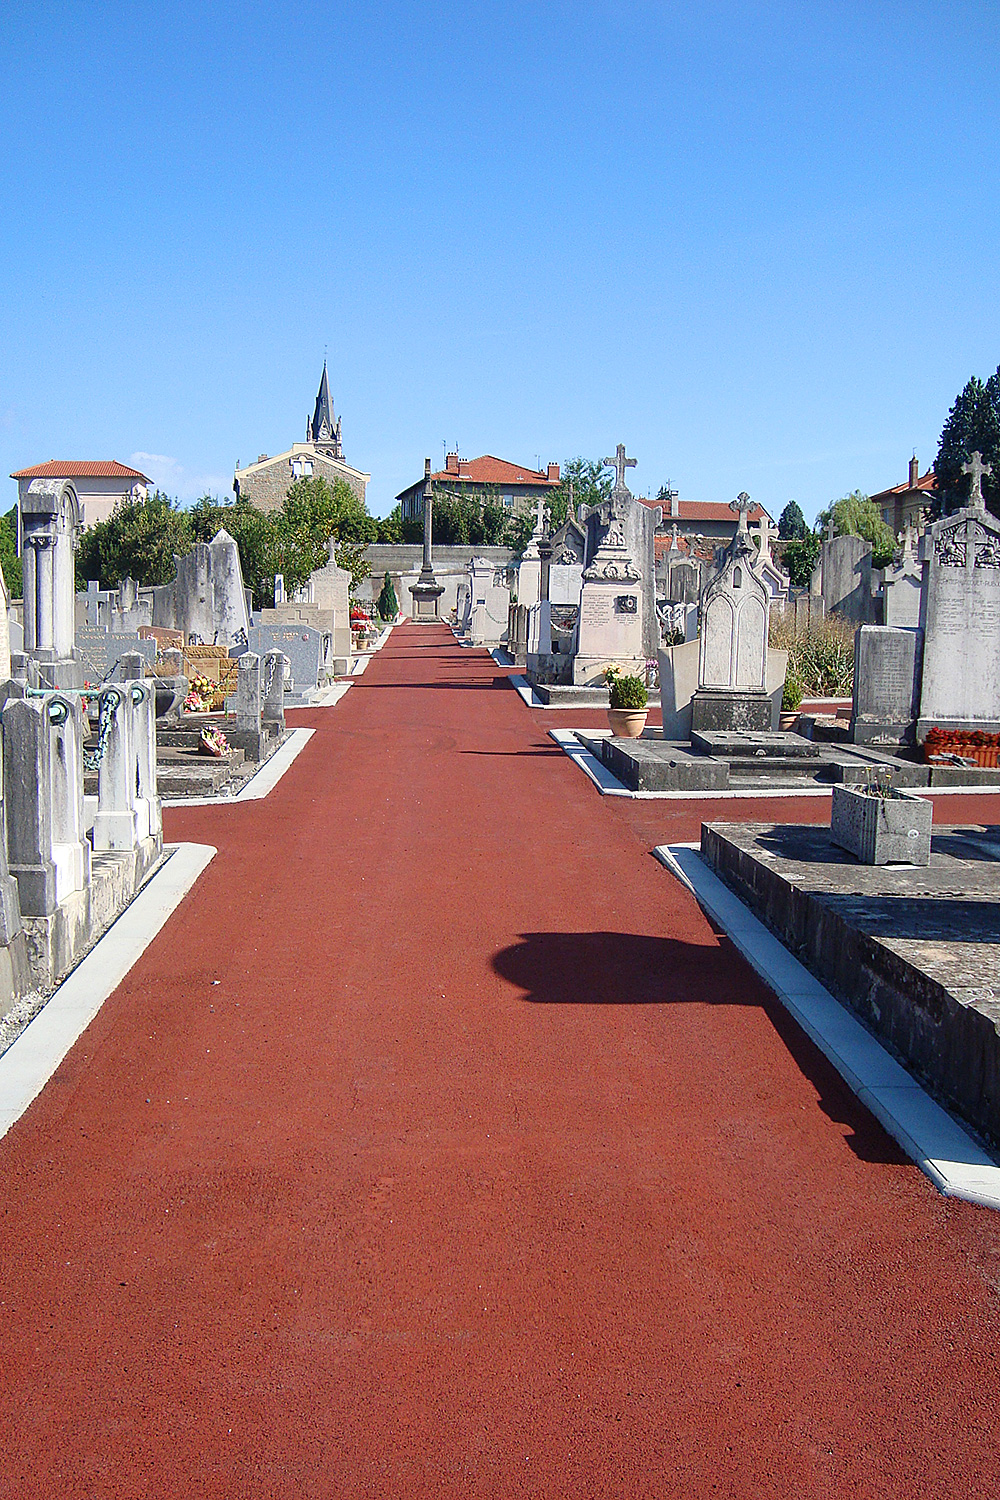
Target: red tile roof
[[705, 510], [490, 470], [926, 481], [80, 468]]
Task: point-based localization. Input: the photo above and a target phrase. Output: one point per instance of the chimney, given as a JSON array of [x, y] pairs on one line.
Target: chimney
[[553, 474], [914, 472], [451, 463], [675, 503], [261, 457]]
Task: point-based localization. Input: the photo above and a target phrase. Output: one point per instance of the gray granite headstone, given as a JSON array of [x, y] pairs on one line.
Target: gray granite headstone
[[300, 643], [960, 615], [887, 662], [98, 651]]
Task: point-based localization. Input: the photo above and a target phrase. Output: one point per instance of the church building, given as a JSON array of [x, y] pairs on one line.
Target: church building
[[266, 482]]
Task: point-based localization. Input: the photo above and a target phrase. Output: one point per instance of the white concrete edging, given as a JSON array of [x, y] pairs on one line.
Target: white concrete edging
[[30, 1061], [262, 781], [937, 1143]]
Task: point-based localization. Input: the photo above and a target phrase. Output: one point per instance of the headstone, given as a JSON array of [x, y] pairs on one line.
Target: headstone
[[209, 597], [887, 661], [611, 625], [901, 583], [732, 663], [489, 603], [115, 822], [98, 652], [164, 637], [635, 524], [843, 575], [302, 646], [43, 796], [330, 586], [569, 549], [960, 616], [5, 642]]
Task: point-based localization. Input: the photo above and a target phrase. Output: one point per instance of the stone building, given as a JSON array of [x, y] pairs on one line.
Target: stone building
[[98, 484], [516, 486], [266, 482]]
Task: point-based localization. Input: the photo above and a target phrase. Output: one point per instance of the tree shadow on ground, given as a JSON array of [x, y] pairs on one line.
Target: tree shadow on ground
[[625, 968]]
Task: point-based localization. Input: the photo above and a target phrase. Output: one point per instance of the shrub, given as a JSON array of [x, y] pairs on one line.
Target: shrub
[[791, 693], [388, 605], [625, 691], [821, 660]]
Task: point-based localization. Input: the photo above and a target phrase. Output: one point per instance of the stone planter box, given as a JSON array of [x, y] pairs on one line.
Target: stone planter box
[[882, 830]]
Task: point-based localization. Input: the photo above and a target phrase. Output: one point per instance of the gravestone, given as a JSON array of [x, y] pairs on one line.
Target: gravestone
[[329, 590], [98, 652], [901, 586], [843, 575], [887, 660], [960, 616], [569, 548], [635, 524], [488, 603], [303, 647], [610, 625], [732, 661], [209, 600]]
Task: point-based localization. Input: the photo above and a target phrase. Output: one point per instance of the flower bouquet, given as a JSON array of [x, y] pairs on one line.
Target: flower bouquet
[[214, 743]]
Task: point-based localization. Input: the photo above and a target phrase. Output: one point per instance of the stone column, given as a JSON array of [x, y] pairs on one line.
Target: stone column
[[275, 665], [248, 692], [149, 810], [43, 795], [426, 592], [44, 601], [115, 822]]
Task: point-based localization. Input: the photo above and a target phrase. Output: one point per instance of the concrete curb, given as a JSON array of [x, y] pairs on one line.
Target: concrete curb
[[30, 1061], [953, 1160]]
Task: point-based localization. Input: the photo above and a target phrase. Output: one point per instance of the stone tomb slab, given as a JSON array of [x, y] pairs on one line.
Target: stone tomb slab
[[913, 951], [746, 745], [656, 765]]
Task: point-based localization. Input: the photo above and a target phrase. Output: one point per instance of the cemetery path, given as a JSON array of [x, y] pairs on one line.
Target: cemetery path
[[439, 1147]]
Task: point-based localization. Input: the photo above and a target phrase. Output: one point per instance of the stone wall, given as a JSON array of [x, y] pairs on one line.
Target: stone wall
[[267, 487]]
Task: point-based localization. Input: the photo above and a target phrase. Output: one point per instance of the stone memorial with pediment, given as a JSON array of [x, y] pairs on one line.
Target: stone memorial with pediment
[[636, 525], [732, 657], [610, 625], [960, 617]]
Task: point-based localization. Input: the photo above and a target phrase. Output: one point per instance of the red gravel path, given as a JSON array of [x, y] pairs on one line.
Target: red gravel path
[[484, 1169]]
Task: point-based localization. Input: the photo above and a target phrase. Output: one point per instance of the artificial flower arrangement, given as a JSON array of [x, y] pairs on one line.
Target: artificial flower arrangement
[[201, 695], [213, 742]]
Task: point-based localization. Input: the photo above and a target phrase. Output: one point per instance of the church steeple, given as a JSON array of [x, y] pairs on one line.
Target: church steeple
[[324, 429]]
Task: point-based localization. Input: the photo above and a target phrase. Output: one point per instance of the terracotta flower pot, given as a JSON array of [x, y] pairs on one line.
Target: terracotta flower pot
[[627, 723], [788, 718]]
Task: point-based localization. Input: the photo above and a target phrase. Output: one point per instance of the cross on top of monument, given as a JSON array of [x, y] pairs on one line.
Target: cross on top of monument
[[620, 463], [540, 516], [741, 505], [977, 469], [764, 531]]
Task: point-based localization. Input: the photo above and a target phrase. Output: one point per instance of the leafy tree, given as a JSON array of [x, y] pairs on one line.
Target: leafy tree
[[390, 527], [791, 522], [973, 423], [856, 515], [798, 558], [591, 485], [388, 604], [138, 540], [9, 560]]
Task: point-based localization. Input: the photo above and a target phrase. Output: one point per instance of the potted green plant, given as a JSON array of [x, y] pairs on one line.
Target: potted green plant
[[791, 698], [627, 704]]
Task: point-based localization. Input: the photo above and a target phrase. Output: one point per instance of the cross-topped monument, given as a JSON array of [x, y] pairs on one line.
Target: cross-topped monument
[[764, 532], [619, 463], [741, 505], [977, 469]]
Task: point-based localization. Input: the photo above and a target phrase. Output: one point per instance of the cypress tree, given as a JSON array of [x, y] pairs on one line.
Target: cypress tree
[[973, 423]]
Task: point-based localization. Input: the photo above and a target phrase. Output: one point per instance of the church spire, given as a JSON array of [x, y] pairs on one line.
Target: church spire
[[324, 429]]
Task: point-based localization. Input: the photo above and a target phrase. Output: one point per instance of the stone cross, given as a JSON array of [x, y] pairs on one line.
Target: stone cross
[[619, 463], [764, 531], [540, 516], [830, 530], [741, 505], [571, 512], [673, 538], [977, 469]]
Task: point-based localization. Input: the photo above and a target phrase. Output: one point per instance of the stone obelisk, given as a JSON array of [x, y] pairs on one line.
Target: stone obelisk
[[426, 592]]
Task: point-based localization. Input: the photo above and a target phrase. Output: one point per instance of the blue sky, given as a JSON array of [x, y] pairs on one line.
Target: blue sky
[[755, 242]]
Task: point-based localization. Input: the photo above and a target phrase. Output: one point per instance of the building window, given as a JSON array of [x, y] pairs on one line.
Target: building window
[[508, 501], [296, 468], [308, 468]]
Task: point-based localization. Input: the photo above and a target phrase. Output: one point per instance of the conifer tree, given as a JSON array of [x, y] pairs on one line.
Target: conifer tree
[[973, 423]]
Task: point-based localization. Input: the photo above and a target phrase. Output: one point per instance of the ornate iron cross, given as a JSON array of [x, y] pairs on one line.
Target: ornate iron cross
[[620, 463]]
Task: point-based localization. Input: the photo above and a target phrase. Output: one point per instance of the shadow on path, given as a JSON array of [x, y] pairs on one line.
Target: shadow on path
[[625, 968]]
